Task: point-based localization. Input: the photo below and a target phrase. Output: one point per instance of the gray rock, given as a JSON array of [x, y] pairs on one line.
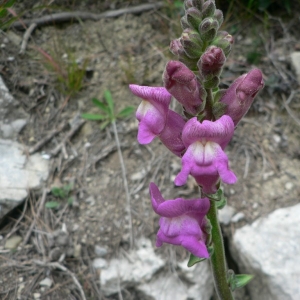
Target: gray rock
[[99, 263], [100, 251], [295, 57], [128, 271], [18, 174], [11, 130], [13, 242], [238, 217], [46, 282], [269, 249], [225, 214], [193, 283]]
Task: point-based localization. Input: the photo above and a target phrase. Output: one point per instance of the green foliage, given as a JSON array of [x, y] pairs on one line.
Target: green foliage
[[5, 18], [62, 193], [107, 108], [238, 281], [68, 72], [194, 260]]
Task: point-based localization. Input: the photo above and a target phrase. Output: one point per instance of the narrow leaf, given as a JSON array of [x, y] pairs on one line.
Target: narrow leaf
[[52, 204], [101, 105], [110, 102], [127, 111], [56, 191], [241, 280], [194, 260], [104, 124], [94, 117]]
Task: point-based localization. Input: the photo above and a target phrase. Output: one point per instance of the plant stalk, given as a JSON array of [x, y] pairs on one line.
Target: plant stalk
[[125, 182], [217, 259]]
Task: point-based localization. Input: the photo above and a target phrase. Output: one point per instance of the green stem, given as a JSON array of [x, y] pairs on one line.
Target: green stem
[[209, 104], [217, 259]]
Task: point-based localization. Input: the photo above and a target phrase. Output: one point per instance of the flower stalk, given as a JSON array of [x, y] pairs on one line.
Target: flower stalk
[[217, 258]]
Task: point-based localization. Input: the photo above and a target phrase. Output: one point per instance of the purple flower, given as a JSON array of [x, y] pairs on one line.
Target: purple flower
[[182, 222], [182, 83], [240, 95], [204, 158], [152, 112], [156, 119]]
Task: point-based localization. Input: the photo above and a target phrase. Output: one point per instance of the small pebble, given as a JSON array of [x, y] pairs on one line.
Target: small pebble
[[238, 217], [100, 251], [46, 282], [288, 186], [99, 263]]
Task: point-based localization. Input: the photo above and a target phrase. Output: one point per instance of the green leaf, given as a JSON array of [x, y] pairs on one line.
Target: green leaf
[[57, 192], [127, 111], [52, 204], [101, 105], [94, 117], [67, 188], [70, 200], [238, 281], [110, 102], [194, 260], [104, 124]]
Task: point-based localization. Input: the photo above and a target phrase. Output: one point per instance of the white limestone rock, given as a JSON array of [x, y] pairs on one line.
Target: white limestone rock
[[128, 271], [295, 57], [193, 283], [18, 174], [269, 249]]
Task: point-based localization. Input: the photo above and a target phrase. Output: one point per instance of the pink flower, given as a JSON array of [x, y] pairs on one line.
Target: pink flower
[[182, 222], [204, 158], [156, 119], [240, 95], [182, 83]]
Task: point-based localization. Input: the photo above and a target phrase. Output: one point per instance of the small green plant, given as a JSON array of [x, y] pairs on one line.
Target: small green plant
[[61, 193], [69, 73], [5, 19], [108, 114]]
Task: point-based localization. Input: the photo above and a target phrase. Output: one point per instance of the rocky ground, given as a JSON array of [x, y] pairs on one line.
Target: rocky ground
[[83, 159]]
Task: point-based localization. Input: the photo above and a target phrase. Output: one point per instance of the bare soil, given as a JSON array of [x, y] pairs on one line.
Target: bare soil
[[264, 152]]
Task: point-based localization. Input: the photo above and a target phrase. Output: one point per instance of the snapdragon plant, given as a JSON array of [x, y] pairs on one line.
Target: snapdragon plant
[[199, 136]]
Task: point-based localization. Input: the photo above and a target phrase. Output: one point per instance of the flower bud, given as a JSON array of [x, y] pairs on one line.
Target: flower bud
[[218, 15], [208, 8], [198, 4], [176, 47], [193, 17], [184, 23], [211, 62], [240, 95], [182, 83], [223, 40], [208, 29], [191, 43], [188, 4]]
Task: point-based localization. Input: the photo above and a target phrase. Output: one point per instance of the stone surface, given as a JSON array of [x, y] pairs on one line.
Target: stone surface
[[269, 249], [193, 283], [295, 57], [13, 242], [225, 214], [46, 282], [18, 174], [137, 266], [11, 130]]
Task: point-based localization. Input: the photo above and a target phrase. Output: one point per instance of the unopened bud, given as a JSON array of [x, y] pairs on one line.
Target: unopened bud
[[240, 95], [193, 17], [223, 40], [211, 62], [182, 83], [184, 23], [191, 43], [176, 47], [208, 29], [198, 4], [188, 4], [208, 8], [218, 15]]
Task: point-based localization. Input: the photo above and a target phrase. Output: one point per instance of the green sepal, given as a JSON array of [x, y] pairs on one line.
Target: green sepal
[[238, 281], [193, 17], [218, 197], [219, 109], [212, 83], [208, 9], [194, 260]]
